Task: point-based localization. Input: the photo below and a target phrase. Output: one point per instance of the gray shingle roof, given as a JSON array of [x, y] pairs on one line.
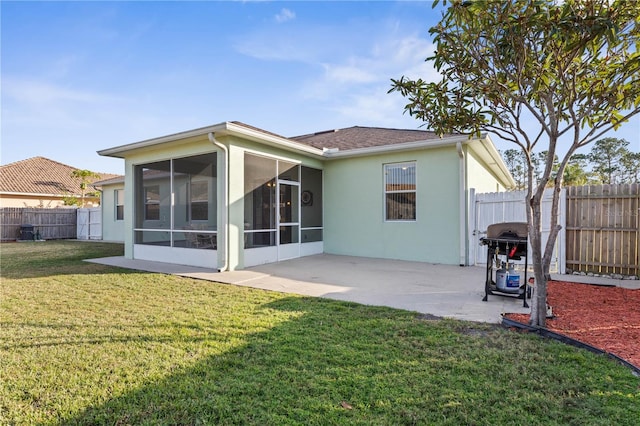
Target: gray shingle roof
[[40, 175], [363, 137], [248, 126]]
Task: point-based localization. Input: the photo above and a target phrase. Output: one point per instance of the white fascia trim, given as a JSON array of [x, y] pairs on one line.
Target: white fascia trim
[[497, 163], [118, 151], [406, 146], [107, 182], [268, 139], [222, 129]]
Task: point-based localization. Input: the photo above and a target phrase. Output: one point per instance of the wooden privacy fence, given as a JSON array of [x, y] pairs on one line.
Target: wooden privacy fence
[[603, 229], [52, 224], [600, 227]]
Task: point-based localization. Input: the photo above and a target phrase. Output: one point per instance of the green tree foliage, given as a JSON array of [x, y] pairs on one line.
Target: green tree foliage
[[630, 167], [612, 162], [576, 172], [86, 177], [572, 68], [609, 162], [68, 200], [516, 162]]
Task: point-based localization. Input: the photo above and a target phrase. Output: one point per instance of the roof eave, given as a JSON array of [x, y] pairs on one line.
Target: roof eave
[[406, 146], [112, 181], [233, 129], [221, 129], [120, 151], [494, 160], [38, 194]]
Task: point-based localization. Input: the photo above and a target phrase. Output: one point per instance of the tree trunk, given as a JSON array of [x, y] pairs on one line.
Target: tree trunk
[[539, 303]]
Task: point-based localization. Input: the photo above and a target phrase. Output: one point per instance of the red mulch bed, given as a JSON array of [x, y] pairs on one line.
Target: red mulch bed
[[607, 318]]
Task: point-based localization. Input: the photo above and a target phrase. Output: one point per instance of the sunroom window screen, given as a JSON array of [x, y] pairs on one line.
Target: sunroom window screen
[[400, 191]]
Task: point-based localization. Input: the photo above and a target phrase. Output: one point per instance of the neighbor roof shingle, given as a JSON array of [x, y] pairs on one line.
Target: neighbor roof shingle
[[39, 175], [363, 137]]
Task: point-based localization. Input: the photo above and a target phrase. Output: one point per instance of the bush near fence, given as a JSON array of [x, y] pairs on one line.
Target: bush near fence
[[52, 224]]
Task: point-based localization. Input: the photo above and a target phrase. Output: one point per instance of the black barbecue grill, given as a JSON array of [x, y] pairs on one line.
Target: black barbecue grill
[[506, 241]]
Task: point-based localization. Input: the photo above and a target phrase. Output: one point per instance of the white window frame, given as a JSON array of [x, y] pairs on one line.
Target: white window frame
[[385, 192], [116, 196]]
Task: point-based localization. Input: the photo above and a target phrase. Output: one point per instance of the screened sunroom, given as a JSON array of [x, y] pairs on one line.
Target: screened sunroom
[[282, 209], [175, 212]]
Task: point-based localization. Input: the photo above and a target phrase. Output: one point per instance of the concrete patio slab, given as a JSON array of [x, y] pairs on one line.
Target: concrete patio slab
[[442, 290]]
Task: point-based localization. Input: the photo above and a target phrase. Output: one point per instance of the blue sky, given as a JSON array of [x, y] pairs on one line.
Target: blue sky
[[78, 77]]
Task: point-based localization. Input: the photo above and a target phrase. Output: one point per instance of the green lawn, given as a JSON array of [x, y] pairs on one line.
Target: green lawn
[[82, 343]]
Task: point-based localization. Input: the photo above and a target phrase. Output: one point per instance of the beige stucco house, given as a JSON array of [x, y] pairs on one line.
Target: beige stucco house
[[42, 183]]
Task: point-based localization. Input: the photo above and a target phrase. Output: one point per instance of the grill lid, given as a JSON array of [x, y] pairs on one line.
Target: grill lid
[[508, 230]]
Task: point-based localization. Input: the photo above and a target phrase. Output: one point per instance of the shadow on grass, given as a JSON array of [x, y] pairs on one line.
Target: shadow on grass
[[57, 257], [338, 363], [136, 334]]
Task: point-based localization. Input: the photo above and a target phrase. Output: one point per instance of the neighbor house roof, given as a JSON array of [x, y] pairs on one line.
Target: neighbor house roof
[[110, 181], [42, 176]]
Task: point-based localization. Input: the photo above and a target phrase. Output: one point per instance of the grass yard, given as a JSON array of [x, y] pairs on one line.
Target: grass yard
[[82, 343]]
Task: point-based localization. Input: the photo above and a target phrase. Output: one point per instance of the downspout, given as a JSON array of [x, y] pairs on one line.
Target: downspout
[[463, 207], [225, 210]]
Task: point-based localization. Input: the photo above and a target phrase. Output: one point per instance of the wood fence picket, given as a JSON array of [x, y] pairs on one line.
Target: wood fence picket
[[603, 229], [52, 224], [601, 226]]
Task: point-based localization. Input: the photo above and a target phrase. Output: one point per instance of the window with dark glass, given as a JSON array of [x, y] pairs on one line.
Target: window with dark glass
[[199, 200], [400, 191], [118, 196], [152, 202]]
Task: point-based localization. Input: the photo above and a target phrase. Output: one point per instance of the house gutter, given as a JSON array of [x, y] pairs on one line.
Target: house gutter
[[407, 146], [463, 207], [225, 210]]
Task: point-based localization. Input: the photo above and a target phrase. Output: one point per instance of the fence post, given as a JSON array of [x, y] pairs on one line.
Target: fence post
[[562, 235]]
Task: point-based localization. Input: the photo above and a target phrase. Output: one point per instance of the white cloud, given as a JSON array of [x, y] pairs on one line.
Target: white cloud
[[38, 93], [288, 43], [354, 88], [285, 15], [383, 60], [374, 107], [348, 74]]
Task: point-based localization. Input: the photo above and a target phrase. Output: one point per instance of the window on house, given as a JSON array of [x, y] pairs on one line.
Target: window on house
[[118, 195], [400, 191], [152, 202], [199, 200]]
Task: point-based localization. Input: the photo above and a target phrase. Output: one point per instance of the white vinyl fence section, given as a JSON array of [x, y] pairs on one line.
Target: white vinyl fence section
[[90, 224], [497, 207]]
